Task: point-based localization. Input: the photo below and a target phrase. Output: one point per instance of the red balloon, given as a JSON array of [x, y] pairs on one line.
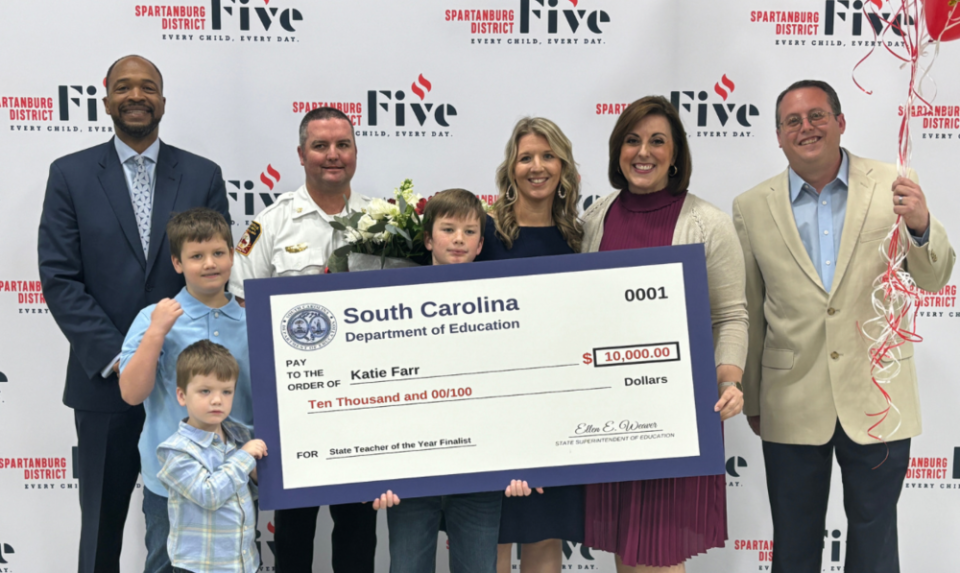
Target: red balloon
[[937, 13]]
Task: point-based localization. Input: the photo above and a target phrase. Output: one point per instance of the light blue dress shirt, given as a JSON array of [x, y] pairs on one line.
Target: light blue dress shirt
[[226, 326], [213, 525], [126, 154], [819, 218]]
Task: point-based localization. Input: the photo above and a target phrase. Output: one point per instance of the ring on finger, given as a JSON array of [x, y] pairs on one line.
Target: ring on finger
[[900, 199]]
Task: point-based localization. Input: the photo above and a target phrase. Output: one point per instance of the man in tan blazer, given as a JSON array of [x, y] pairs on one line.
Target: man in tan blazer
[[811, 239]]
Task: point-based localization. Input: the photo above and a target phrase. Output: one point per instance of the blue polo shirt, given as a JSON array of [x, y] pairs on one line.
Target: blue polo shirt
[[226, 326]]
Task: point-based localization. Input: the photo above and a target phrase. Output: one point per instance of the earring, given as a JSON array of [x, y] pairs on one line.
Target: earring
[[562, 192], [511, 194], [673, 171]]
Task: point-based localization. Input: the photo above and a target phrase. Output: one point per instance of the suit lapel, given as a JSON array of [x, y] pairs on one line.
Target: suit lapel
[[859, 196], [114, 185], [779, 201], [164, 197]]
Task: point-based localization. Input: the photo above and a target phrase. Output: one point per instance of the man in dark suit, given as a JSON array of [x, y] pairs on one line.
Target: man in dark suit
[[104, 255]]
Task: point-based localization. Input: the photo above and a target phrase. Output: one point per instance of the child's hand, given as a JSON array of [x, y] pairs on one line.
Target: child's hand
[[255, 448], [388, 499], [519, 488], [164, 315]]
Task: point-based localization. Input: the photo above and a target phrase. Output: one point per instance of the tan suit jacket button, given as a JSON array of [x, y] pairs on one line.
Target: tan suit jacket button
[[835, 355], [933, 257], [831, 311]]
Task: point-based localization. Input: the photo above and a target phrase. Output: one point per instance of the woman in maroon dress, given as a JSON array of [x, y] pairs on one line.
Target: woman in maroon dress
[[657, 525]]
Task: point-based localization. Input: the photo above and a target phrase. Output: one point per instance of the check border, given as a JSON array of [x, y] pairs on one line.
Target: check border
[[263, 374]]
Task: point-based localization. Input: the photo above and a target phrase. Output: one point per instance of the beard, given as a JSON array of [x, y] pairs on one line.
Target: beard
[[136, 131]]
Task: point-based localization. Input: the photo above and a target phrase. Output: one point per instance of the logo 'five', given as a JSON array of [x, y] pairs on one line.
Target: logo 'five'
[[722, 92], [273, 173], [423, 82]]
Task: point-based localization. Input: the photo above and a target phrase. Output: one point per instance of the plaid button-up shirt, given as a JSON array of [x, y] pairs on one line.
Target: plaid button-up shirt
[[212, 523]]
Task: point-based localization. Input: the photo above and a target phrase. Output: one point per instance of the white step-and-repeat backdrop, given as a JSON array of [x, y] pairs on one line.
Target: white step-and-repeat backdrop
[[434, 88]]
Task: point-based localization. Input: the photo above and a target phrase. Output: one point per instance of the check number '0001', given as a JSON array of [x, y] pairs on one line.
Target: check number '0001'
[[642, 294], [633, 354]]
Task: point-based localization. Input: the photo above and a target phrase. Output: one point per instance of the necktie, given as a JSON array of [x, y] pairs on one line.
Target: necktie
[[142, 205]]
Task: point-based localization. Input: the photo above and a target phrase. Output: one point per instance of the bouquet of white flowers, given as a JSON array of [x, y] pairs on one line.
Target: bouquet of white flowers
[[388, 229]]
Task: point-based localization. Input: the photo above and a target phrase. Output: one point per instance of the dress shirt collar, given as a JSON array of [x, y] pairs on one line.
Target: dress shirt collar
[[797, 183], [196, 309], [203, 438], [126, 152], [303, 204]]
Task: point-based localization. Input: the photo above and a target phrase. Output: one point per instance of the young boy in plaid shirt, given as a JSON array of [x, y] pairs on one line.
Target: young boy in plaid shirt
[[208, 469]]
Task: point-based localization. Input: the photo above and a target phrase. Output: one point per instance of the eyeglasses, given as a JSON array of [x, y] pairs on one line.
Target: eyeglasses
[[816, 117]]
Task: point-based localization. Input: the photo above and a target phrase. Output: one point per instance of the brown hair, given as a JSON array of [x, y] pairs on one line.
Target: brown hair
[[564, 211], [198, 224], [318, 114], [832, 98], [458, 203], [643, 107], [204, 357]]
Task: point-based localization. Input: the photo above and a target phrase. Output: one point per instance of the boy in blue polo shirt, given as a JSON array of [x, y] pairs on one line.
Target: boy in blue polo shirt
[[200, 248]]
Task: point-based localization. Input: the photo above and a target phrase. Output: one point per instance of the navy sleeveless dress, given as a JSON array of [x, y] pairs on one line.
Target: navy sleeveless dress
[[558, 512]]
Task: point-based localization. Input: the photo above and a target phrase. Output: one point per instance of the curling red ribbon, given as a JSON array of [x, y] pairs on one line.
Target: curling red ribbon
[[897, 311]]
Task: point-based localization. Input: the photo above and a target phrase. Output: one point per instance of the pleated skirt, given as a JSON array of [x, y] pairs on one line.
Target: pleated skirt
[[657, 523]]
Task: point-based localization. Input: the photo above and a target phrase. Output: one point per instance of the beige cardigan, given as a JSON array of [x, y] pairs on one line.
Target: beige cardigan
[[701, 222]]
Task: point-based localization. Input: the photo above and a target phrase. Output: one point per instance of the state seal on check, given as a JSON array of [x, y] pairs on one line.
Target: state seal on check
[[308, 327]]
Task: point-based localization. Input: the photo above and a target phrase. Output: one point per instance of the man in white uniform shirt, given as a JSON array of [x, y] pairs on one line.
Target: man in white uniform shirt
[[293, 237]]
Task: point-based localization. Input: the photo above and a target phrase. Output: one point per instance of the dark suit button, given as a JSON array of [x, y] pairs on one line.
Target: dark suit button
[[835, 355], [831, 311], [149, 288]]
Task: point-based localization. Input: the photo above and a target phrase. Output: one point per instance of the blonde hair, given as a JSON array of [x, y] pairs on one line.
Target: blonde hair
[[564, 210]]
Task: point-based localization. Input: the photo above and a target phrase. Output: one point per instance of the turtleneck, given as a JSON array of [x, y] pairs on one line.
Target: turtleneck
[[637, 221]]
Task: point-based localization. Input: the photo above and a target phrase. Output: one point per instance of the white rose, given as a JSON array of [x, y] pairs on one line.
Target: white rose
[[366, 222], [378, 208]]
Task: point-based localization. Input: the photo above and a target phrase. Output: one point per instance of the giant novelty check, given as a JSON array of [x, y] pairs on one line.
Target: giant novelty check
[[453, 379]]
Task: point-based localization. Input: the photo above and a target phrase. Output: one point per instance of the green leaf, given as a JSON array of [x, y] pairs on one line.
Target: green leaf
[[354, 218], [337, 263], [401, 204], [378, 227], [338, 225], [398, 231]]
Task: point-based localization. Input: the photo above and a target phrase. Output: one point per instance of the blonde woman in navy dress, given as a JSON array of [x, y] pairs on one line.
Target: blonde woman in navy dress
[[536, 215]]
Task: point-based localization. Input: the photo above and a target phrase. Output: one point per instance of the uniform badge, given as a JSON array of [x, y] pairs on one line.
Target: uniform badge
[[299, 247], [249, 239]]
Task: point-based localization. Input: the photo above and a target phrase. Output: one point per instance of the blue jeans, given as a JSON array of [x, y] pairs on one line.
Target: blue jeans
[[158, 529], [473, 527]]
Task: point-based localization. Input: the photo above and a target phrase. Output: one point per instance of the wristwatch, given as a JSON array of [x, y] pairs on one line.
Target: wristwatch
[[723, 385]]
